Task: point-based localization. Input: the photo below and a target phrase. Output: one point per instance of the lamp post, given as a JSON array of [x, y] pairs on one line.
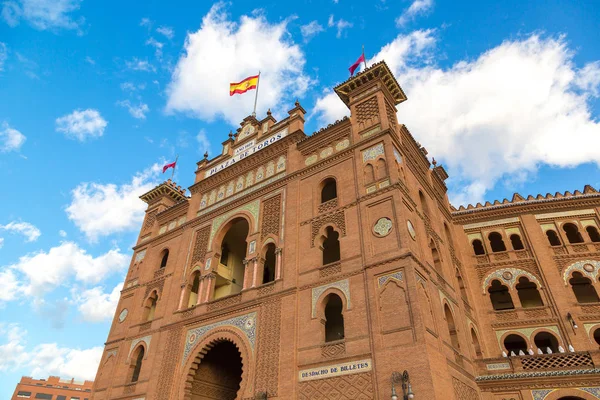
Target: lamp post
[[404, 379]]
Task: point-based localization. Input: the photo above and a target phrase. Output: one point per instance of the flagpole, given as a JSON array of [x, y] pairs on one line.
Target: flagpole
[[364, 59], [173, 172], [256, 95]]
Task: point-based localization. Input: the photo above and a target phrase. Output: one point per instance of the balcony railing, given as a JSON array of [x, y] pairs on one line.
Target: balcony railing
[[579, 360]]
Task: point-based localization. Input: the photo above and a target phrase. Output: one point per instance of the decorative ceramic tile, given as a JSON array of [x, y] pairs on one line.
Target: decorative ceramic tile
[[587, 268], [373, 152], [326, 152], [260, 174], [491, 223], [270, 169], [249, 178], [230, 188], [509, 276], [397, 156], [162, 229], [540, 394], [497, 366], [252, 247], [207, 266], [226, 148], [382, 280], [265, 127], [383, 227], [281, 164], [342, 145], [221, 193], [240, 184], [253, 208], [145, 339], [204, 201], [411, 230], [172, 224], [528, 331], [123, 315], [383, 184], [181, 221], [594, 391], [140, 255], [245, 323], [212, 197], [111, 353], [343, 286], [371, 132], [311, 159], [371, 189], [588, 327]]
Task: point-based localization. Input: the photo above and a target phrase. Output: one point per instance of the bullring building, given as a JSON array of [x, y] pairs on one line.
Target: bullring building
[[332, 266]]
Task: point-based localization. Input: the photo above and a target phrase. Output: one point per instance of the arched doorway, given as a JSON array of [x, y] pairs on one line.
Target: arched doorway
[[219, 374]]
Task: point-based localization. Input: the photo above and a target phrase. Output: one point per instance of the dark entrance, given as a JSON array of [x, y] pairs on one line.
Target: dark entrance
[[219, 374]]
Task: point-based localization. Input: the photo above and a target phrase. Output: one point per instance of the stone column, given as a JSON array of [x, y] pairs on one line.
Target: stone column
[[183, 290], [200, 290], [255, 267], [278, 263], [210, 286], [246, 283]]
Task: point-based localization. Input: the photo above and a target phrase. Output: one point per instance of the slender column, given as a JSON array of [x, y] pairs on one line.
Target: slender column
[[246, 274], [209, 286], [255, 266], [183, 289], [278, 263], [200, 290]]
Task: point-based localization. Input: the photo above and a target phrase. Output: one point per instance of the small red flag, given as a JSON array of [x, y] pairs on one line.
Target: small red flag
[[167, 166], [356, 64]]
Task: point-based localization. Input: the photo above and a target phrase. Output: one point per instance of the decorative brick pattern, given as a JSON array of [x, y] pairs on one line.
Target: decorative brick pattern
[[338, 218], [348, 387], [150, 219], [267, 370], [328, 206], [333, 350], [271, 216], [330, 270], [223, 303], [212, 391], [200, 244], [169, 363], [463, 391], [391, 115], [553, 361], [367, 113]]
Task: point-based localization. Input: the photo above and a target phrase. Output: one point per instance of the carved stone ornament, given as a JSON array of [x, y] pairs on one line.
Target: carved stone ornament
[[382, 227], [411, 230], [123, 315]]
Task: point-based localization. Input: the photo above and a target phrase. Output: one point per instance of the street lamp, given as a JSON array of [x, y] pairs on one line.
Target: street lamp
[[404, 379]]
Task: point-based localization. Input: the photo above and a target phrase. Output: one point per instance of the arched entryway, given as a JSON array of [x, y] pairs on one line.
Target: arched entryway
[[219, 373]]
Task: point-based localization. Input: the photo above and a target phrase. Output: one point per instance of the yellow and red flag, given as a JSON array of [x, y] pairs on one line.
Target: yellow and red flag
[[242, 87]]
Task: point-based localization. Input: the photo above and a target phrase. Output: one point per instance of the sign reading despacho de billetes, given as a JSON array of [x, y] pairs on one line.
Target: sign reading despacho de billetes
[[330, 371], [246, 150]]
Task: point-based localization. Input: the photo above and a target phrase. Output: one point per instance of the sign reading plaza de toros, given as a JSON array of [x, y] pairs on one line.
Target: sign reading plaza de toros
[[329, 371]]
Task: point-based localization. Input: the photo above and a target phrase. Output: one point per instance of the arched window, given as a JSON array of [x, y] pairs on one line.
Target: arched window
[[381, 169], [583, 289], [230, 274], [545, 341], [448, 235], [528, 293], [193, 299], [451, 327], [328, 190], [515, 343], [269, 266], [136, 367], [597, 336], [500, 296], [164, 258], [369, 172], [461, 285], [150, 306], [553, 237], [572, 232], [593, 233], [334, 319], [331, 246], [224, 254], [435, 254], [478, 247], [475, 341], [516, 242], [496, 242], [424, 205]]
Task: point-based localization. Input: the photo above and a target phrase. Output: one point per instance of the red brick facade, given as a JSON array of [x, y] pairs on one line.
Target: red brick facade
[[317, 266], [53, 388]]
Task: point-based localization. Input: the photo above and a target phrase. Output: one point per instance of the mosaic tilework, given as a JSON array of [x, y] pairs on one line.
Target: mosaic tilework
[[342, 145], [253, 208], [372, 152], [343, 286], [311, 159], [508, 276], [145, 339], [245, 323], [587, 268], [383, 226], [540, 394], [397, 156], [594, 391], [382, 280], [111, 353], [140, 255], [527, 332]]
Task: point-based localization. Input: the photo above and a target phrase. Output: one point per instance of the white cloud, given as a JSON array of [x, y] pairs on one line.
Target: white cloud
[[131, 87], [10, 139], [81, 125], [46, 359], [146, 22], [498, 117], [43, 14], [140, 65], [25, 228], [43, 271], [10, 287], [418, 7], [310, 30], [138, 111], [235, 51], [90, 60], [341, 24], [167, 31], [203, 142], [3, 55], [1, 242], [157, 46], [62, 233], [103, 209], [95, 305]]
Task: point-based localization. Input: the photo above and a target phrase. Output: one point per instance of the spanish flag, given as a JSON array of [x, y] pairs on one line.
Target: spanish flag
[[243, 86]]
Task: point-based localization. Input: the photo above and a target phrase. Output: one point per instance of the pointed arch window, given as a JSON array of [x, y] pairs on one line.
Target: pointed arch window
[[572, 232], [514, 344], [593, 233], [517, 243], [583, 289], [476, 345], [448, 235], [529, 294], [496, 242], [435, 254], [597, 336], [331, 246], [424, 205], [334, 318], [150, 306], [381, 169], [164, 257], [451, 327], [328, 190], [500, 296], [552, 237], [136, 366], [369, 173], [546, 341], [194, 291], [269, 265], [478, 247], [461, 285]]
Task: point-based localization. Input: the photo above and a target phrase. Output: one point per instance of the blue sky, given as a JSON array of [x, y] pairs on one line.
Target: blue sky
[[96, 96]]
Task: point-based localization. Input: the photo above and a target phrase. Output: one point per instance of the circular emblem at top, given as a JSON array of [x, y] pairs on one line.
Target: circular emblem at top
[[411, 229], [588, 267], [382, 227], [123, 315], [507, 275]]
